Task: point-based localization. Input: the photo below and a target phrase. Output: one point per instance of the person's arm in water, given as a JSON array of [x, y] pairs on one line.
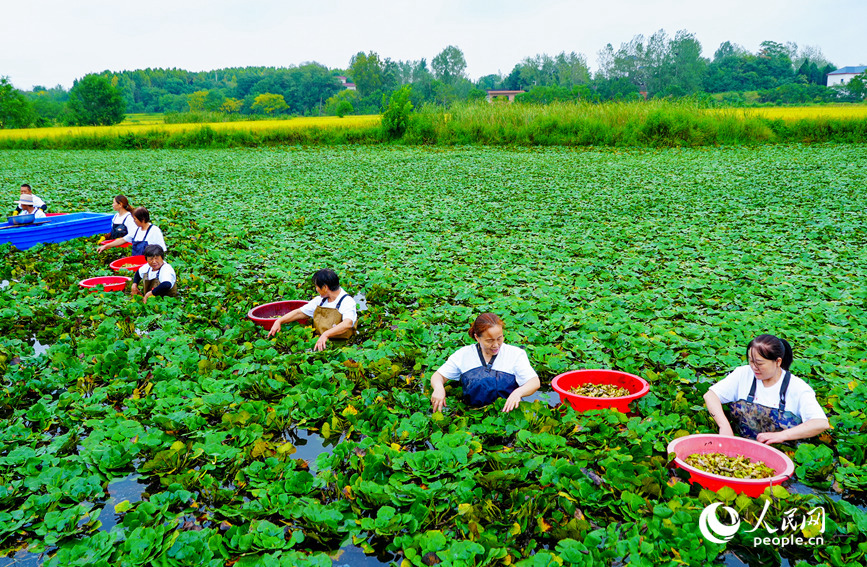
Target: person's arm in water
[[807, 429], [344, 325], [520, 392], [438, 397], [714, 406], [294, 315]]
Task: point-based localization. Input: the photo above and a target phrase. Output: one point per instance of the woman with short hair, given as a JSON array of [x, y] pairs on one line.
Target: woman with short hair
[[488, 369]]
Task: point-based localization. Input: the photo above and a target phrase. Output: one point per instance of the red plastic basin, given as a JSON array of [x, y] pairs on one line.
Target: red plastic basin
[[139, 261], [731, 447], [637, 387], [109, 283], [265, 315]]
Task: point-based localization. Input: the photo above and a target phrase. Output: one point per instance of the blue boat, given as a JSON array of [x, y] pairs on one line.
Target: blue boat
[[58, 228]]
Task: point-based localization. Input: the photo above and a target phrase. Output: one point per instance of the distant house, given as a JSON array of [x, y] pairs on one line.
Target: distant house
[[346, 85], [492, 94], [844, 75]]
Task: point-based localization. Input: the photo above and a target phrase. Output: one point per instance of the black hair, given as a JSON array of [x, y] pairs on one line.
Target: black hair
[[29, 188], [154, 250], [327, 278], [771, 348], [142, 214]]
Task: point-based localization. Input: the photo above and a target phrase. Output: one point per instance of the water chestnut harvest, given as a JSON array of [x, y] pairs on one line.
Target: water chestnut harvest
[[736, 467]]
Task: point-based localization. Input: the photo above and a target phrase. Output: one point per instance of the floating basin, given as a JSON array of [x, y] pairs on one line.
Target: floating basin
[[731, 447], [637, 387]]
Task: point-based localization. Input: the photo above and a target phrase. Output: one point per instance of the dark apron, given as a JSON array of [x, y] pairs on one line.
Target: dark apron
[[751, 418], [483, 385], [138, 248], [325, 318], [118, 230], [149, 285]]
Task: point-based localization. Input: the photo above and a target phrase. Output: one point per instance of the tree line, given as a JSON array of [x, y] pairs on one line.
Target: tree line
[[658, 66]]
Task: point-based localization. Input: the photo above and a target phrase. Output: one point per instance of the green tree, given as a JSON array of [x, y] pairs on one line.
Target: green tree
[[449, 65], [94, 102], [366, 72], [395, 119], [15, 110], [270, 103]]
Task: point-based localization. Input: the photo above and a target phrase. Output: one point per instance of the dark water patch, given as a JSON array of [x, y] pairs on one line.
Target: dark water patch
[[23, 558], [129, 488], [309, 445], [353, 556], [548, 397]]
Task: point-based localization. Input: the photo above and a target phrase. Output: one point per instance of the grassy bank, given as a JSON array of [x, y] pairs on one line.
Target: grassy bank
[[631, 124], [654, 124]]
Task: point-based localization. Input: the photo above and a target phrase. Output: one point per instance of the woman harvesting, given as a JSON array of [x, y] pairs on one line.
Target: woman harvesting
[[767, 402], [488, 369]]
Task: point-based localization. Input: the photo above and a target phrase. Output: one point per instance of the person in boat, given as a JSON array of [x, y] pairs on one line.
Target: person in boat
[[765, 400], [122, 223], [37, 202], [155, 277], [27, 207], [334, 312], [144, 234], [488, 369]]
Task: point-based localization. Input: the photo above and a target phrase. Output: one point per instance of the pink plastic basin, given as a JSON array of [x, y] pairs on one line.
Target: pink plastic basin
[[109, 283], [265, 315], [139, 261], [731, 447], [637, 387]]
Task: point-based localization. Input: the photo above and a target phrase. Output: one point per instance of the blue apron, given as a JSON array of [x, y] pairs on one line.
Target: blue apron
[[751, 418], [138, 248], [483, 385], [118, 229]]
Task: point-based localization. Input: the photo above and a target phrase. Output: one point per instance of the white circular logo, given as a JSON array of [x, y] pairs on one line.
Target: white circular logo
[[711, 527]]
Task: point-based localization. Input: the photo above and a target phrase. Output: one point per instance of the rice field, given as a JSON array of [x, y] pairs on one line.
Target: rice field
[[837, 112], [148, 126]]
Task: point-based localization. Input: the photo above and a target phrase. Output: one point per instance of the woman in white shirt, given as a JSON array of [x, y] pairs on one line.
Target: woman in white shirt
[[488, 369], [122, 222], [144, 234], [765, 400]]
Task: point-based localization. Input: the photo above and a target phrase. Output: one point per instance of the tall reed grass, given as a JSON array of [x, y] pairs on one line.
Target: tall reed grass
[[653, 123]]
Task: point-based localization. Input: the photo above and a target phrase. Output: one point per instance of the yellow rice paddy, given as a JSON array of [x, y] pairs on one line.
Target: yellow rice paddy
[[853, 111], [249, 126]]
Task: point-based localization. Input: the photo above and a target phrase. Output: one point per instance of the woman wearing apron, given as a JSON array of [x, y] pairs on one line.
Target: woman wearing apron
[[488, 369], [156, 277], [765, 401], [122, 222], [334, 312], [144, 234]]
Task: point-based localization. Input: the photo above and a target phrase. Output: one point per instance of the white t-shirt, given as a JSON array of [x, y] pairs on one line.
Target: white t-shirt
[[125, 218], [510, 359], [165, 274], [800, 397], [37, 202], [348, 309], [155, 236]]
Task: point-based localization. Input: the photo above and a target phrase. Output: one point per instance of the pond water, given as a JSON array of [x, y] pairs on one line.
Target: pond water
[[4, 284], [39, 348]]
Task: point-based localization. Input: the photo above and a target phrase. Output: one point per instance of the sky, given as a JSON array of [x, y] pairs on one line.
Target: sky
[[51, 42]]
